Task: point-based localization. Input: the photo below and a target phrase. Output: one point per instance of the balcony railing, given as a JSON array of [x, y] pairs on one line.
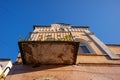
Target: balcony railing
[[49, 36]]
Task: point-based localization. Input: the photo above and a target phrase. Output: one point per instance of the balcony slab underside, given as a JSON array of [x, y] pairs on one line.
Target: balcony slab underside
[[48, 52]]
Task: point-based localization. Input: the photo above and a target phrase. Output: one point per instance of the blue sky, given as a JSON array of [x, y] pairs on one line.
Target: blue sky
[[17, 17]]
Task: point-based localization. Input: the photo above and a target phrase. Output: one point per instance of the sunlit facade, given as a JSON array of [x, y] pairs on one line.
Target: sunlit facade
[[64, 52]]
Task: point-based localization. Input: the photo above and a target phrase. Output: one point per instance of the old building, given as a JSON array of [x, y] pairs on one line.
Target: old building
[[5, 66], [64, 52]]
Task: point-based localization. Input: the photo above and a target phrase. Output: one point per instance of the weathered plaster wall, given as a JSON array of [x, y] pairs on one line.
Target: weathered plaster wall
[[115, 48], [71, 72]]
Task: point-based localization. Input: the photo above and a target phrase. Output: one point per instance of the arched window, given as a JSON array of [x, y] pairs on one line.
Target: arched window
[[84, 47]]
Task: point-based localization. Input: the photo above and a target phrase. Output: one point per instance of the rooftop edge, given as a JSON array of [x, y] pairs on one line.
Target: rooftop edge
[[49, 26]]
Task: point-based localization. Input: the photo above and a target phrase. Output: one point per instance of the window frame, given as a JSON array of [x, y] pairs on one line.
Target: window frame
[[91, 51]]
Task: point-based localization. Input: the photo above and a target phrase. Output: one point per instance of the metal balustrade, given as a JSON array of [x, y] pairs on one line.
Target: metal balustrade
[[49, 36]]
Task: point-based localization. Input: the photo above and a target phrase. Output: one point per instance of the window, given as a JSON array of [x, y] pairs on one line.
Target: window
[[85, 49]]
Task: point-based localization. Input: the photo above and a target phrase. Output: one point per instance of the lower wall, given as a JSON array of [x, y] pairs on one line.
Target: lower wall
[[96, 59], [64, 72]]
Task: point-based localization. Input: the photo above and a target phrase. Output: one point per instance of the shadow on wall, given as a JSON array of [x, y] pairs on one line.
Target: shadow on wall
[[20, 68]]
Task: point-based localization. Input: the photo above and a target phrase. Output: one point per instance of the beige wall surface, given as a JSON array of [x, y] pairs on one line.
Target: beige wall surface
[[64, 72], [115, 48], [83, 36], [99, 57]]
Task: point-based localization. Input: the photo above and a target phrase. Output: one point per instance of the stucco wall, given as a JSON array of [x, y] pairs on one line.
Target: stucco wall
[[68, 72], [115, 48]]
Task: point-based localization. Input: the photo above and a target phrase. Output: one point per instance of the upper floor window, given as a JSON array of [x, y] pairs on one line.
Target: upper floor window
[[85, 49]]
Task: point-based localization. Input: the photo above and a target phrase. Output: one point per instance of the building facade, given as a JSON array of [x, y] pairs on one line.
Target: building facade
[[5, 66], [64, 52]]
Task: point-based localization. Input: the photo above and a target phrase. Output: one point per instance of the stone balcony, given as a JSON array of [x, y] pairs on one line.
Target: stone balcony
[[48, 52]]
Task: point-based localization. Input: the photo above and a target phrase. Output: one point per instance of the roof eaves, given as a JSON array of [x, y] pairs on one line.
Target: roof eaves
[[113, 44], [40, 26], [80, 26], [4, 59], [49, 26]]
